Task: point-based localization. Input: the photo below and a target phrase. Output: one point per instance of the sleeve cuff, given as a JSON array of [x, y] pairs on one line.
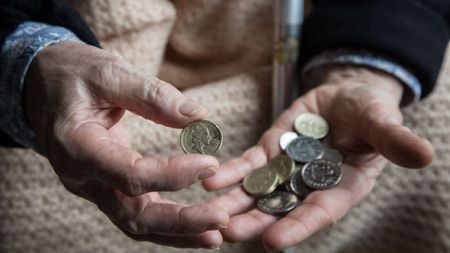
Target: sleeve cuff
[[413, 88], [17, 53]]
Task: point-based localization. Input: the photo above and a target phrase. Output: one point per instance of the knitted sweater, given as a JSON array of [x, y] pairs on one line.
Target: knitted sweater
[[408, 211]]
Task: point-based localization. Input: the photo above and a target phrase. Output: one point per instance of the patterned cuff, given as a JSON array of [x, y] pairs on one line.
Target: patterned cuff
[[17, 53], [413, 90]]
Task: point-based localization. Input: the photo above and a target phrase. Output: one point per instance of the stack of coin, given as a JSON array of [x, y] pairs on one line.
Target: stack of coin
[[308, 166]]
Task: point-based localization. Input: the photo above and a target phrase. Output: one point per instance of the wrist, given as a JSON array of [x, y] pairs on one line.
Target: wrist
[[45, 86]]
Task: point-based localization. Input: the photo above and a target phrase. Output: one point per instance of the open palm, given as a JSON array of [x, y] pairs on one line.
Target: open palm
[[365, 125]]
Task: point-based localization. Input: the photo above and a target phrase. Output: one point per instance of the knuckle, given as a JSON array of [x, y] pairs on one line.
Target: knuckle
[[172, 181], [131, 184], [157, 91], [107, 65], [102, 73]]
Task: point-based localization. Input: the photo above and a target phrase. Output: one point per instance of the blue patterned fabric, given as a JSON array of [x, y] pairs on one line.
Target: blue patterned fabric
[[364, 58], [17, 53]]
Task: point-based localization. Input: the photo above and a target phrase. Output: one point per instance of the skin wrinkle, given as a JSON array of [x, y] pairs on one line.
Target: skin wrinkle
[[154, 91]]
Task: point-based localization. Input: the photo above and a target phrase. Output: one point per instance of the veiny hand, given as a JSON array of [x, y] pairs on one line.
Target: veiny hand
[[75, 96], [362, 109]]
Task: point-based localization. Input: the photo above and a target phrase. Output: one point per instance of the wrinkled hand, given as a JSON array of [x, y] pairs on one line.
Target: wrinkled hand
[[362, 109], [75, 96]]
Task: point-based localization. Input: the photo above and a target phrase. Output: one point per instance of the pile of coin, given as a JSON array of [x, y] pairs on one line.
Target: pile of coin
[[308, 166]]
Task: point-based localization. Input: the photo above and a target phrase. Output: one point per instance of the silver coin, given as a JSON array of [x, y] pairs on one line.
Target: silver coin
[[297, 186], [321, 174], [332, 155], [286, 138], [304, 149], [277, 202], [311, 125]]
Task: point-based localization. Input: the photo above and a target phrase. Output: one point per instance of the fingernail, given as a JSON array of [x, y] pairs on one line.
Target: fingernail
[[215, 248], [209, 172], [189, 107]]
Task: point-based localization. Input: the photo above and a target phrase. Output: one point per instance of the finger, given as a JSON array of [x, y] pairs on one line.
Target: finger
[[125, 169], [248, 226], [169, 219], [234, 202], [234, 170], [207, 240], [126, 86], [305, 220], [385, 132], [320, 209], [149, 214]]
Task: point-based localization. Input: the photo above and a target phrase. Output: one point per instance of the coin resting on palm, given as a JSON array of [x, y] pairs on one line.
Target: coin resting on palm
[[201, 137], [311, 125], [278, 202], [260, 181], [321, 174], [308, 166], [286, 138], [283, 166], [332, 155], [297, 186], [304, 149]]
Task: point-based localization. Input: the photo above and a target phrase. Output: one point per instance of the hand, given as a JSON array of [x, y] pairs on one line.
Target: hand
[[361, 107], [75, 96]]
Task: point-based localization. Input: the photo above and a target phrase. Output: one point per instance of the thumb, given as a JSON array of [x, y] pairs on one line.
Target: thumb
[[384, 130], [128, 87]]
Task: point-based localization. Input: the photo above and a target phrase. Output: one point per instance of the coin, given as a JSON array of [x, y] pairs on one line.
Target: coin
[[284, 166], [304, 149], [297, 186], [311, 125], [277, 202], [332, 155], [201, 137], [321, 174], [260, 182], [286, 138]]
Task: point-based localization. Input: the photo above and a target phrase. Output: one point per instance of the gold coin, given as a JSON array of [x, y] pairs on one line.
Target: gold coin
[[260, 182], [201, 137], [284, 166], [311, 125]]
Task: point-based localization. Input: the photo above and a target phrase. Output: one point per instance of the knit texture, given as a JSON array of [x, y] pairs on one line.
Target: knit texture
[[408, 210]]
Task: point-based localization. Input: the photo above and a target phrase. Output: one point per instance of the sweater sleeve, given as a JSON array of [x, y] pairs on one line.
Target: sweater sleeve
[[414, 33], [17, 53], [52, 12]]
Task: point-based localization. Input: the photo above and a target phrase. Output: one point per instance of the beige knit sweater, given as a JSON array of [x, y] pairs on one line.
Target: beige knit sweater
[[221, 51]]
